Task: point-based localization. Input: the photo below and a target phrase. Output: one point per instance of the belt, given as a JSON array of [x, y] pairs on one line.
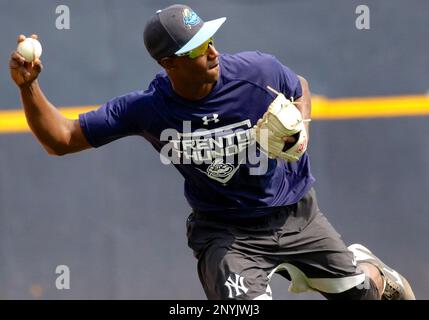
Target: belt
[[240, 220]]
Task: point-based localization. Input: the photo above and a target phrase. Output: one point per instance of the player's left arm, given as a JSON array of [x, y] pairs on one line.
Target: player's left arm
[[303, 103]]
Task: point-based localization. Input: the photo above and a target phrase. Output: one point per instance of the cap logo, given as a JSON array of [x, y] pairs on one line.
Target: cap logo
[[190, 18]]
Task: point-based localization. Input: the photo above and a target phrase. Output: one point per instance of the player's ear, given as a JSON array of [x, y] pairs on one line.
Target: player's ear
[[168, 63]]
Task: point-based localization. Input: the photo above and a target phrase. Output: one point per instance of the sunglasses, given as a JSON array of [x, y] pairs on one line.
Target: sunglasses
[[198, 51]]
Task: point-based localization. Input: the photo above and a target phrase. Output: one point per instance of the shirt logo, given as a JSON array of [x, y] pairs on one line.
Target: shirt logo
[[218, 153], [237, 285], [206, 119], [190, 18], [218, 169]]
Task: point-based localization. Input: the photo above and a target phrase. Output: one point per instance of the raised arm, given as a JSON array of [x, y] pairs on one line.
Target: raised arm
[[57, 134]]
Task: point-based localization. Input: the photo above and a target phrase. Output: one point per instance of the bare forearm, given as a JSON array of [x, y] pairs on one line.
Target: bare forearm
[[304, 104], [49, 126], [56, 133]]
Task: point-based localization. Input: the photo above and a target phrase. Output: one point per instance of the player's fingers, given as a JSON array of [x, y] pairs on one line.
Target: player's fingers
[[13, 64], [18, 58], [20, 38], [26, 74], [289, 139], [37, 65], [35, 36], [28, 66]]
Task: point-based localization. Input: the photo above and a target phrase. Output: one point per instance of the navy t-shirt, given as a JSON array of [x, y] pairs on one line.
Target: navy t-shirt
[[209, 140]]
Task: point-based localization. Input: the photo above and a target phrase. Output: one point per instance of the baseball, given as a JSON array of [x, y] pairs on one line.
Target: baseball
[[30, 49]]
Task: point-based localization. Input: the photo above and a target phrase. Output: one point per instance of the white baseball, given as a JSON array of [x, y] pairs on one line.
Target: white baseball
[[30, 49]]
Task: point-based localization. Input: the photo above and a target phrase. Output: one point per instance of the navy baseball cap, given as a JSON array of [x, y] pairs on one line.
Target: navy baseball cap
[[177, 29]]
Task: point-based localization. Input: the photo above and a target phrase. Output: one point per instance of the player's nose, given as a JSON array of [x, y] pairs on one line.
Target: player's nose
[[212, 52]]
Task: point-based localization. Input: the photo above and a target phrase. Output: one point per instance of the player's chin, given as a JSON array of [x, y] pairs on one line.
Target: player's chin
[[213, 74]]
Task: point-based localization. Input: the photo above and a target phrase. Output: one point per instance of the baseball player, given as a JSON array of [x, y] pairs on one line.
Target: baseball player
[[204, 113]]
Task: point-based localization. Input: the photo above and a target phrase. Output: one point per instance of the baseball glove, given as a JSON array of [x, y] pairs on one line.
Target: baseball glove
[[282, 119]]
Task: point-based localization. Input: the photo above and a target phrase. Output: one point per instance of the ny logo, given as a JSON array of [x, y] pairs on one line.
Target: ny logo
[[206, 119], [237, 284]]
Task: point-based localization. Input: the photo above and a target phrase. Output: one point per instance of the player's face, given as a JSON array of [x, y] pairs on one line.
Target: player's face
[[202, 69]]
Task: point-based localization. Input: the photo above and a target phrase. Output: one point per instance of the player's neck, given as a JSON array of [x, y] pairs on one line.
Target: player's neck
[[192, 92]]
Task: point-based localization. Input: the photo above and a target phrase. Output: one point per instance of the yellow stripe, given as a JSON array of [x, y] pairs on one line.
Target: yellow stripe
[[13, 121], [352, 108]]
